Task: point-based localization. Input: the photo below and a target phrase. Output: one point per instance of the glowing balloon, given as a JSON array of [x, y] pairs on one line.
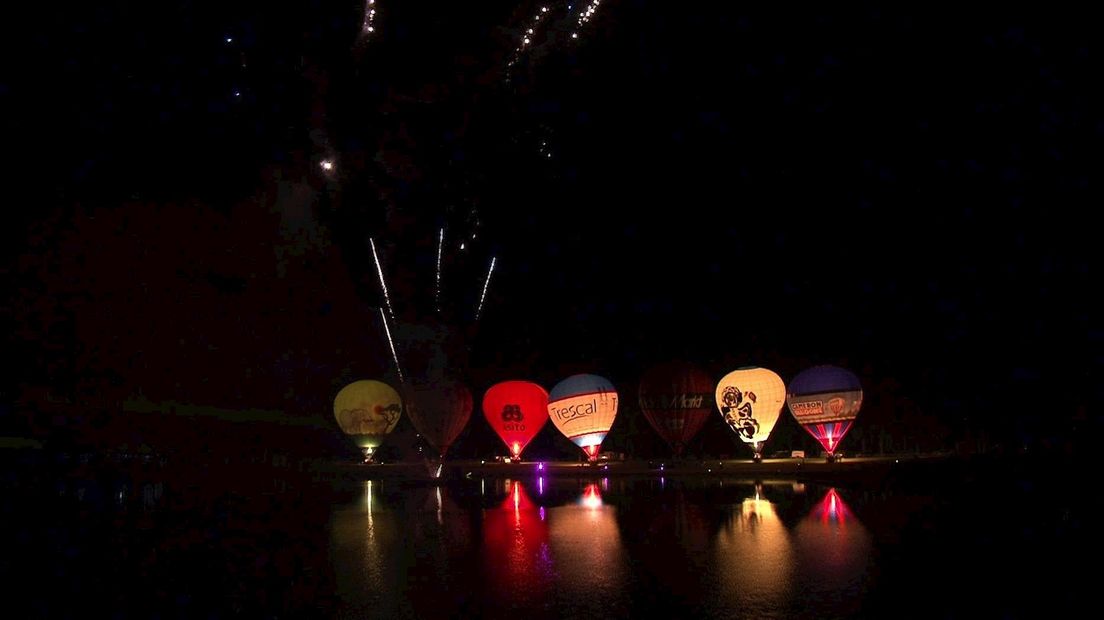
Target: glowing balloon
[[583, 408], [825, 400], [439, 411], [750, 400], [516, 410], [677, 400], [367, 411]]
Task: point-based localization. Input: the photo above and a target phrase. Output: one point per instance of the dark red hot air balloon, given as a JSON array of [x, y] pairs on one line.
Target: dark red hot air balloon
[[439, 410], [677, 400], [516, 410]]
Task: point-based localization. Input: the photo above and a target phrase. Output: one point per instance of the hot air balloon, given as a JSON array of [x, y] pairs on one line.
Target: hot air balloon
[[677, 400], [439, 411], [367, 411], [825, 400], [750, 400], [516, 410], [583, 408]]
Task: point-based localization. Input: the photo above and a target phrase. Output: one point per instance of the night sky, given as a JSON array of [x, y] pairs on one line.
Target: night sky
[[908, 194]]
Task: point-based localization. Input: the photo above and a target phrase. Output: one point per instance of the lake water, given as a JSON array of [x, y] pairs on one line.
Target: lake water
[[622, 547], [712, 548]]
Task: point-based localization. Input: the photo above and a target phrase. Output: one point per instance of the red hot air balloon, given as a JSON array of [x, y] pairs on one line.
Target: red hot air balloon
[[439, 411], [677, 400], [517, 411]]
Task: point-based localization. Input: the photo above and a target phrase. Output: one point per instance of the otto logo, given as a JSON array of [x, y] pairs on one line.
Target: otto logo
[[512, 413]]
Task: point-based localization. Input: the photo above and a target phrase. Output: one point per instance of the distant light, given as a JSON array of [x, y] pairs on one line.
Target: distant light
[[327, 165], [371, 29], [237, 93], [229, 39], [461, 246]]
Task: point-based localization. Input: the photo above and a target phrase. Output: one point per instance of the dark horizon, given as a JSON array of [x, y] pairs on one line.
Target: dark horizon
[[905, 194]]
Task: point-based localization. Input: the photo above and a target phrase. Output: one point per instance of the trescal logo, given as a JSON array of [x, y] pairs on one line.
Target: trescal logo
[[572, 408]]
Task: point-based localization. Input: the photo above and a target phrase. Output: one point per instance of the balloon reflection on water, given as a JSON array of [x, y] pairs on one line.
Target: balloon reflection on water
[[590, 559], [516, 553], [755, 556], [835, 547]]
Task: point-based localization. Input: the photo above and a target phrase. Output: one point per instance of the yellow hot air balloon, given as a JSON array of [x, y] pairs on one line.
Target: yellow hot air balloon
[[367, 411], [750, 400]]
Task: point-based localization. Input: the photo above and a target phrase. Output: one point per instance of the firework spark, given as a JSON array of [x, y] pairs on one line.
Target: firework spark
[[391, 343], [383, 283], [527, 37], [437, 291], [486, 283], [367, 27], [585, 15]]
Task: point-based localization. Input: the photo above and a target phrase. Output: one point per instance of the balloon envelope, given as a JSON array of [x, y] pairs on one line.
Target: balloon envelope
[[825, 400], [583, 408], [516, 410], [677, 400], [750, 401], [439, 410], [367, 411]]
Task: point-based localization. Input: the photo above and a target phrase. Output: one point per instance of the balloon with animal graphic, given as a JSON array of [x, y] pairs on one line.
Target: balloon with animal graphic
[[750, 400], [367, 411]]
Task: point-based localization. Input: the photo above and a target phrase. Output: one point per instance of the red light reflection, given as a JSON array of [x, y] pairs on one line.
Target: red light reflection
[[515, 540]]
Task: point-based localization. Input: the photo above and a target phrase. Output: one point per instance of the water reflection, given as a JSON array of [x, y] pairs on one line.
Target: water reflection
[[389, 549], [563, 548], [516, 556], [835, 551], [754, 556], [591, 564]]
